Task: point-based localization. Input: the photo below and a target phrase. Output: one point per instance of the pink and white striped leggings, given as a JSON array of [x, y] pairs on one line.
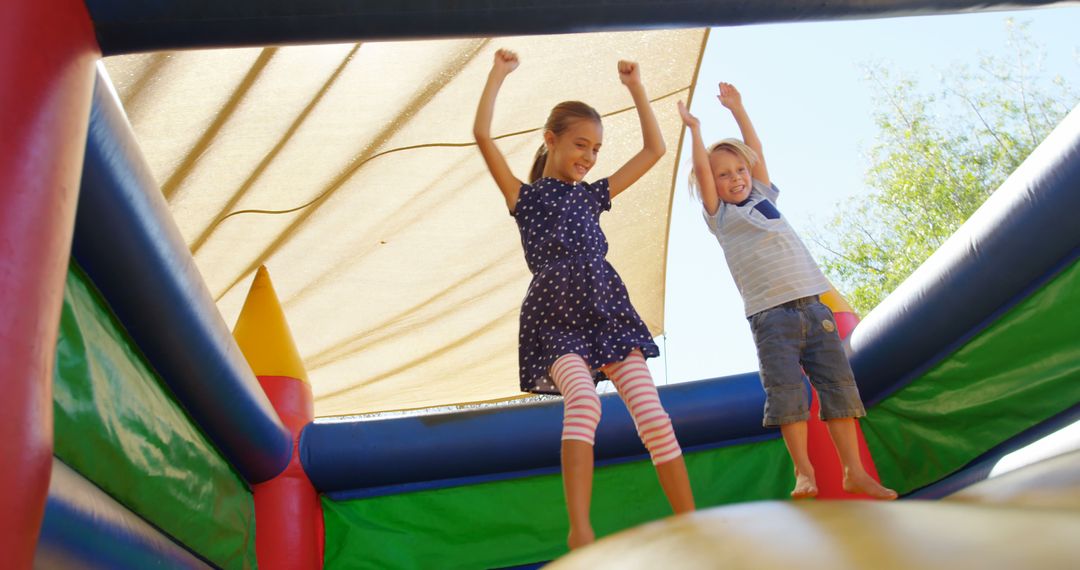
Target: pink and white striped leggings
[[581, 404]]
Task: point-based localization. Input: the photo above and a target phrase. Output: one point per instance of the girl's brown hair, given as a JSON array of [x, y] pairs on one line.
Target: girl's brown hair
[[562, 116]]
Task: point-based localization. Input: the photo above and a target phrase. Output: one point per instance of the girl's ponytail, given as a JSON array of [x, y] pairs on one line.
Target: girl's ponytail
[[538, 164]]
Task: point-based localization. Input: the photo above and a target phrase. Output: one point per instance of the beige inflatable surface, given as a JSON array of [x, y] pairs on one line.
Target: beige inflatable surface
[[1028, 518]]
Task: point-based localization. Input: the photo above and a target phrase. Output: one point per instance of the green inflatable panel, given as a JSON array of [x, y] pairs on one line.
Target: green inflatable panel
[[1020, 371], [117, 425], [522, 521]]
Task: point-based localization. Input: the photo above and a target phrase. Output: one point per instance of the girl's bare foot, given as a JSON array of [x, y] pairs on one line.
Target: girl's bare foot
[[862, 483], [579, 538], [805, 486]]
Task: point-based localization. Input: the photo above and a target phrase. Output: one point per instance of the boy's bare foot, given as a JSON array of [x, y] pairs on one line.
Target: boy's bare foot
[[862, 483], [805, 486], [579, 538]]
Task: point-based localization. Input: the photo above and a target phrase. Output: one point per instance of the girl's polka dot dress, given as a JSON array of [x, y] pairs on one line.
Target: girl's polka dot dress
[[576, 302]]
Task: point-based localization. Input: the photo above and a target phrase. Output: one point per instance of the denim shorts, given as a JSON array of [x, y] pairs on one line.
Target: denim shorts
[[801, 336]]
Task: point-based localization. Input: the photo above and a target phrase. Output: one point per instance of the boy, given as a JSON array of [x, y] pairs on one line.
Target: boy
[[780, 284]]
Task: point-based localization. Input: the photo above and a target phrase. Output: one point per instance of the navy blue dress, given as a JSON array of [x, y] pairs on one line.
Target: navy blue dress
[[576, 302]]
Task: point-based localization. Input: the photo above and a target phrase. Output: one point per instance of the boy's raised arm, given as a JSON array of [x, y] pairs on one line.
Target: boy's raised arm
[[506, 61], [702, 170], [653, 147], [729, 97]]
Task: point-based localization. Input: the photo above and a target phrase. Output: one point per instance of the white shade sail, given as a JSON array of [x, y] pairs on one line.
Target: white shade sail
[[349, 171]]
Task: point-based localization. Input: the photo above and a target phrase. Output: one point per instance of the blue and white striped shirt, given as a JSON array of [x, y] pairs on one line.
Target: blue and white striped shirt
[[768, 261]]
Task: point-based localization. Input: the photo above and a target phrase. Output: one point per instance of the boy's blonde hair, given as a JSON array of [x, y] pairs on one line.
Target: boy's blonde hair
[[734, 146]]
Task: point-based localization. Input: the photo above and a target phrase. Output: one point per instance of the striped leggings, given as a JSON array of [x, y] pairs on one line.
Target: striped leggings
[[581, 404]]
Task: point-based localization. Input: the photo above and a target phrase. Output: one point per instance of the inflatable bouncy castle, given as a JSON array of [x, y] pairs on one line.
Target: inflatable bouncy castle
[[189, 278]]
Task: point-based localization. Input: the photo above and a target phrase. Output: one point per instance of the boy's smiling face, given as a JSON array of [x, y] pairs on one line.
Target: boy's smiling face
[[731, 175]]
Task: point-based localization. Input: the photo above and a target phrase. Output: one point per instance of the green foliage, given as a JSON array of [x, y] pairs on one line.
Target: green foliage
[[936, 158]]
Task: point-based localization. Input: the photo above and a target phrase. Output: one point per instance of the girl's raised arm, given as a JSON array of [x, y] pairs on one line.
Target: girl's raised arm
[[702, 170], [730, 98], [653, 147], [506, 61]]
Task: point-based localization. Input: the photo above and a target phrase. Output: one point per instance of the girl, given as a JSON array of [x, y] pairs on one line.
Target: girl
[[780, 284], [576, 320]]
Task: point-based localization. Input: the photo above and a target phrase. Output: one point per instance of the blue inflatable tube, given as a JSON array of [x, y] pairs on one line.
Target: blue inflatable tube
[[126, 241], [85, 528], [1023, 235], [126, 26], [451, 448]]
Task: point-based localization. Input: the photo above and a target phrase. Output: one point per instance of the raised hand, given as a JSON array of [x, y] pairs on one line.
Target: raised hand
[[629, 73], [653, 147], [506, 61], [729, 96], [688, 119]]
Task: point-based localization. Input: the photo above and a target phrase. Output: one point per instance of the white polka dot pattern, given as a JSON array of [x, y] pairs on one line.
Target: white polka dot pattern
[[576, 302]]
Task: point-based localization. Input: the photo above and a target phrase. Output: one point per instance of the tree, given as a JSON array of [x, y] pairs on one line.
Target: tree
[[936, 158]]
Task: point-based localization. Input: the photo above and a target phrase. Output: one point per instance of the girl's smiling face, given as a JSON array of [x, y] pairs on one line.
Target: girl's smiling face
[[573, 153], [731, 175]]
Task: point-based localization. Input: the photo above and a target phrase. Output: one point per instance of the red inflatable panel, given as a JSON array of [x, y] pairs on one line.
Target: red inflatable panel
[[288, 514], [47, 55]]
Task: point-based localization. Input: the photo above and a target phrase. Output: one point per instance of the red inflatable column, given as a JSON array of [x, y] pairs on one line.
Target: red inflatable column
[[288, 514], [47, 55], [823, 455]]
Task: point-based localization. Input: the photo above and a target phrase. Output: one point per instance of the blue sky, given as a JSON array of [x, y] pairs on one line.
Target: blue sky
[[802, 85]]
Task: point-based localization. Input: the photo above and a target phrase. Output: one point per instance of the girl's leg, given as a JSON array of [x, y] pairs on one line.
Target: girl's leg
[[634, 383], [856, 479], [577, 467], [581, 415], [676, 485], [795, 435]]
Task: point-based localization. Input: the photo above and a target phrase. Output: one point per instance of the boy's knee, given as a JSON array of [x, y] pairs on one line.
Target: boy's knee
[[785, 405], [840, 401]]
